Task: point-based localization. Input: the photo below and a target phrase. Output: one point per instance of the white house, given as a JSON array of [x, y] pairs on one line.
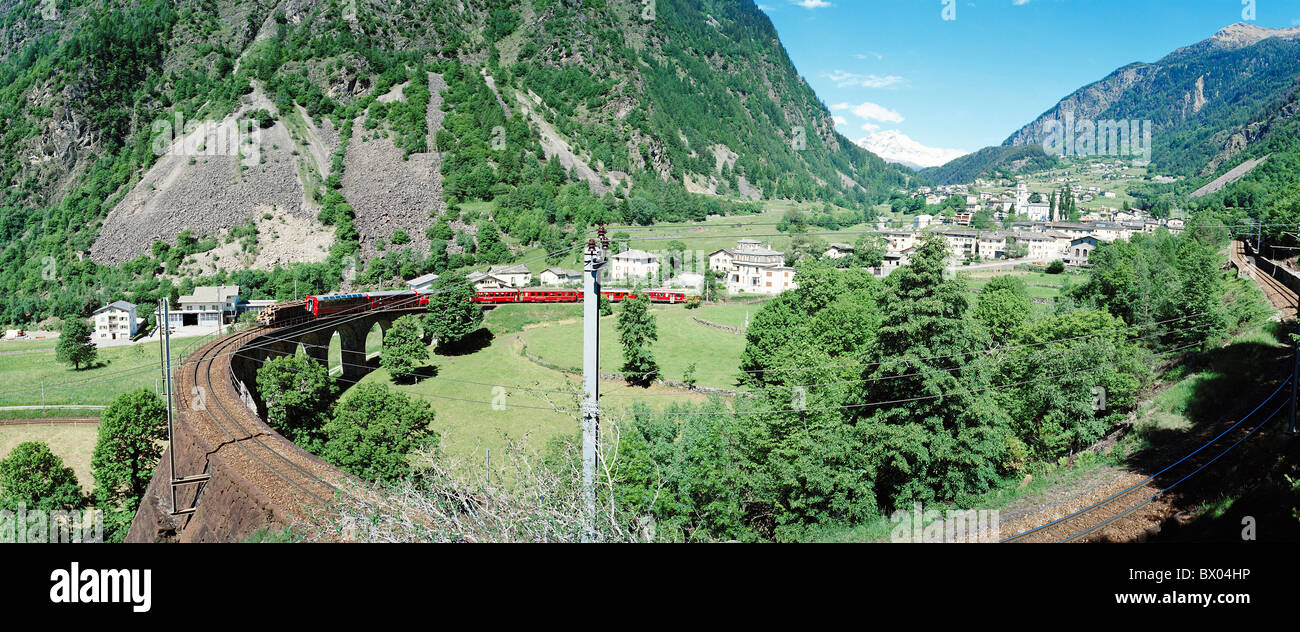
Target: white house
[[514, 275], [1080, 251], [899, 240], [485, 281], [1043, 246], [1037, 211], [559, 276], [633, 264], [921, 221], [838, 251], [115, 321], [757, 278], [751, 267], [992, 244], [208, 306], [962, 242], [891, 261]]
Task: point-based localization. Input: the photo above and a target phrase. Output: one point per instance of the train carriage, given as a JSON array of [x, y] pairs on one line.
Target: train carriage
[[617, 294], [397, 299], [329, 305], [549, 295], [667, 296]]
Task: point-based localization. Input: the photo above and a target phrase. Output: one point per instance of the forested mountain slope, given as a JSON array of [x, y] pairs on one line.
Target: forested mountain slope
[[374, 123], [985, 161]]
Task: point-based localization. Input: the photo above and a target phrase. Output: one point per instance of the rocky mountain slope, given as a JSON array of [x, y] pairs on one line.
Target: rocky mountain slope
[[1206, 104], [377, 121], [1194, 97]]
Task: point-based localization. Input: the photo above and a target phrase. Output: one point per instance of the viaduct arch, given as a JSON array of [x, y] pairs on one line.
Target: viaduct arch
[[255, 478]]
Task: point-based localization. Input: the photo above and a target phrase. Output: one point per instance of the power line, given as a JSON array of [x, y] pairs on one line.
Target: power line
[[795, 410], [966, 353], [1152, 477], [1176, 483], [781, 387]]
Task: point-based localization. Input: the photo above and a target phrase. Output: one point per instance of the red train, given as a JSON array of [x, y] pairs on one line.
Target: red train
[[329, 305], [549, 295]]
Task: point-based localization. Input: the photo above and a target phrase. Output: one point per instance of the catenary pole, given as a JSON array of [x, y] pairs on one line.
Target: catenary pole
[[167, 375], [594, 262]]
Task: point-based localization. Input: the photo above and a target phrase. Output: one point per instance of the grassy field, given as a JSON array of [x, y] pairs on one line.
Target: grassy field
[[682, 342], [731, 315], [463, 393], [117, 369], [1040, 284], [515, 318], [25, 345], [74, 444]]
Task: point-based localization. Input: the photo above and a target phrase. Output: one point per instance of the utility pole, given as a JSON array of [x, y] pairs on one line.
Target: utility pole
[[165, 362], [1295, 366], [166, 348], [594, 261]]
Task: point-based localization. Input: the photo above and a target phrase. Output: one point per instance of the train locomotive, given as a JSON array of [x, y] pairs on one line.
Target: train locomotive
[[290, 312]]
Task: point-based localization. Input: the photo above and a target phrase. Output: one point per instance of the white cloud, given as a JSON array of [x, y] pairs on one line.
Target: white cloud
[[812, 4], [1020, 2], [894, 146], [869, 55], [870, 127], [840, 120], [844, 79], [870, 112]]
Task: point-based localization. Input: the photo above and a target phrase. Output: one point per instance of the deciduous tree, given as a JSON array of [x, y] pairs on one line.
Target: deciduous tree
[[35, 477], [452, 316], [298, 392], [131, 432], [404, 351], [374, 430]]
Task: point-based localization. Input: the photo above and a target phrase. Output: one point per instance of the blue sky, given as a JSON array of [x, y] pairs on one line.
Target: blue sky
[[899, 66]]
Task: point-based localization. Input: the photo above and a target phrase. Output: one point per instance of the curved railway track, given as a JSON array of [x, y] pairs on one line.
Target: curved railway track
[[1148, 499], [210, 404], [1281, 296]]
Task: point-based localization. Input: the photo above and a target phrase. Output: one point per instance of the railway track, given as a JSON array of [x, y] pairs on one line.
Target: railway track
[[1137, 508], [52, 421], [1281, 296], [213, 409]]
